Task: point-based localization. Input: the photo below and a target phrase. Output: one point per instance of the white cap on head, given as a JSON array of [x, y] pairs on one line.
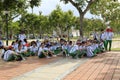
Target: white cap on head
[[108, 27]]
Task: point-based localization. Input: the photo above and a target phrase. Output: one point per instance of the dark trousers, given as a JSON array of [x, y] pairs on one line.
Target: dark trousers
[[108, 42]]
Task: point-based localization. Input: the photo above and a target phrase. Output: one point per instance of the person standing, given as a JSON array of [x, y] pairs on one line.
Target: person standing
[[103, 38], [109, 36], [95, 35], [1, 42], [22, 36]]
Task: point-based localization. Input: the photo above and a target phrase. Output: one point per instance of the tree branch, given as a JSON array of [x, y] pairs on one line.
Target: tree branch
[[88, 6], [14, 17], [75, 5]]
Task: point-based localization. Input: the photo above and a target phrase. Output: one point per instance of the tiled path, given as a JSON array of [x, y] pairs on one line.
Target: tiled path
[[9, 70], [105, 66]]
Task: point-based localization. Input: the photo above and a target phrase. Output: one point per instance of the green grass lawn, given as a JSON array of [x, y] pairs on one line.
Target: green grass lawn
[[115, 49]]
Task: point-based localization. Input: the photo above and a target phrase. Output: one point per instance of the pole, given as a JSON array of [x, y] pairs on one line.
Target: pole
[[33, 25], [6, 14], [68, 35]]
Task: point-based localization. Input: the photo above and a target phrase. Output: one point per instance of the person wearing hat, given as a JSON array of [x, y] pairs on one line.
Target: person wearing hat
[[109, 36], [11, 55]]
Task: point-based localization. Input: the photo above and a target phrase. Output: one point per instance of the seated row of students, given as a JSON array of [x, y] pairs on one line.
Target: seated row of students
[[19, 50], [90, 48]]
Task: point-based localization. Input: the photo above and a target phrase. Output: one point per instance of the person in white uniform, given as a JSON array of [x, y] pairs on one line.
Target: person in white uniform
[[74, 51], [33, 49], [41, 51], [95, 35], [103, 38], [11, 55], [22, 36], [109, 36], [90, 49]]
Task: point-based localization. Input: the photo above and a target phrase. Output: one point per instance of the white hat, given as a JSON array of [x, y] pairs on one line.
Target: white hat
[[108, 27]]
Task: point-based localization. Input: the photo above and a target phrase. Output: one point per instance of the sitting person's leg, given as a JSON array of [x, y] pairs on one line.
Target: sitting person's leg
[[75, 54], [11, 57], [43, 54], [82, 53]]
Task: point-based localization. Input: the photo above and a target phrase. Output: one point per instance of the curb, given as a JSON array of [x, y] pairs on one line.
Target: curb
[[71, 69]]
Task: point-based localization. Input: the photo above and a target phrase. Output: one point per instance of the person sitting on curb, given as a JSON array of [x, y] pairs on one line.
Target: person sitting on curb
[[33, 49], [11, 55], [41, 51], [74, 51]]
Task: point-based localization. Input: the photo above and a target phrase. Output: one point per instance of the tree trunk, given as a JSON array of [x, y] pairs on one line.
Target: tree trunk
[[40, 33], [28, 33], [61, 33], [81, 26], [33, 27], [68, 35], [11, 35]]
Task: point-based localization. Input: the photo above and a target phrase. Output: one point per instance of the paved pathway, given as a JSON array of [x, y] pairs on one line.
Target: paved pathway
[[105, 66], [9, 70], [53, 71]]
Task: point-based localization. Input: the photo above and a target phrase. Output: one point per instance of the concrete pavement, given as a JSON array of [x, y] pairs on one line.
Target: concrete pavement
[[53, 71]]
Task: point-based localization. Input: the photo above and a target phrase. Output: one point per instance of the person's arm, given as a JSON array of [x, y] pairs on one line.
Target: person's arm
[[13, 52], [24, 36], [39, 51], [112, 34], [17, 51], [19, 36]]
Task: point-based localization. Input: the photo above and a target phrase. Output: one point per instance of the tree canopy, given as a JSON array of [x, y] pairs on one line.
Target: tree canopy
[[109, 12], [82, 6], [59, 20]]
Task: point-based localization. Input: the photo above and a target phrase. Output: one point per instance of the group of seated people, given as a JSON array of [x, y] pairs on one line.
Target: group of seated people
[[20, 50]]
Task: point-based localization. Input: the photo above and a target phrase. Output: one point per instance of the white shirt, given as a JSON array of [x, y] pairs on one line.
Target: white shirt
[[89, 51], [33, 49], [1, 52], [7, 54], [93, 47], [74, 48], [109, 35], [101, 44], [45, 48], [1, 43], [16, 46], [22, 37], [64, 47], [38, 43], [102, 36], [53, 48], [82, 47], [40, 50], [23, 49], [95, 35], [69, 47]]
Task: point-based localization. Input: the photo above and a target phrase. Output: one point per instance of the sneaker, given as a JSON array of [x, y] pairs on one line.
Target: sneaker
[[54, 55], [48, 57], [68, 55], [23, 59]]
